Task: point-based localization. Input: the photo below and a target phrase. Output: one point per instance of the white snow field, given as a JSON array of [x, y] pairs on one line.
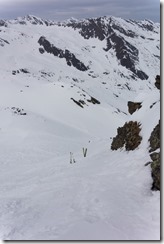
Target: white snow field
[[107, 194]]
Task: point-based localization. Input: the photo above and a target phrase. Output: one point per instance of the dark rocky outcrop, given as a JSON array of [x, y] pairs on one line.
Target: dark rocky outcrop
[[41, 50], [25, 71], [17, 111], [154, 139], [107, 29], [157, 82], [93, 100], [133, 106], [3, 42], [128, 33], [155, 167], [92, 28], [3, 23], [79, 103], [155, 157], [69, 57], [127, 54], [127, 136]]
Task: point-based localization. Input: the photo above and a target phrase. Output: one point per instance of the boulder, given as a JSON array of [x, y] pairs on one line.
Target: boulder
[[155, 138], [155, 167], [154, 141], [127, 136], [133, 106], [157, 82]]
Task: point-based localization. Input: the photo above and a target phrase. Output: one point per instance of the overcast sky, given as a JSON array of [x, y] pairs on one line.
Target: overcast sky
[[64, 9]]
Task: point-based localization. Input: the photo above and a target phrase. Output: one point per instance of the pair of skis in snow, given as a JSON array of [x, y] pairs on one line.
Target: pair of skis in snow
[[72, 160]]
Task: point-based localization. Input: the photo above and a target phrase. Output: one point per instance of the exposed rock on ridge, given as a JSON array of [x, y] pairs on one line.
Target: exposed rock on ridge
[[126, 53], [70, 57], [155, 164], [157, 82], [127, 135], [133, 106]]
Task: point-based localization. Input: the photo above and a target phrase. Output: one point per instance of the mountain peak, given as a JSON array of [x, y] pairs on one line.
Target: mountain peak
[[32, 19]]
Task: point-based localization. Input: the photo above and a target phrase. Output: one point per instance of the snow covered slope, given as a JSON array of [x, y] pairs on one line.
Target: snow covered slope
[[65, 87]]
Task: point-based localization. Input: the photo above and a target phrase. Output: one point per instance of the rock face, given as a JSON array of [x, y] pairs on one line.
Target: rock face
[[3, 23], [127, 136], [25, 71], [81, 102], [69, 57], [106, 29], [93, 100], [133, 106], [127, 54], [3, 42], [157, 82], [155, 138], [119, 37], [155, 164]]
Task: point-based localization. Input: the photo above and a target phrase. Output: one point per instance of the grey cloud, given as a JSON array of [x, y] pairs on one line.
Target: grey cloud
[[63, 9]]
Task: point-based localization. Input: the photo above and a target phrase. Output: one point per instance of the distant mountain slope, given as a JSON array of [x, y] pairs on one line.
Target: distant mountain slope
[[109, 52]]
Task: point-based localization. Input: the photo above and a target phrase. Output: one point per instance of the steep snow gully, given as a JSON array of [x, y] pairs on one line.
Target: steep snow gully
[[64, 90]]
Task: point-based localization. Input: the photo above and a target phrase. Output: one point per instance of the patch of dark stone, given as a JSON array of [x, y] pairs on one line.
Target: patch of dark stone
[[128, 136], [93, 28], [3, 40], [127, 85], [44, 74], [74, 79], [126, 53], [109, 45], [14, 72], [148, 27], [77, 102], [128, 33], [154, 141], [156, 56], [93, 76], [25, 71], [133, 106], [18, 111], [71, 60], [153, 104], [155, 166], [93, 100], [3, 23], [41, 50], [157, 82]]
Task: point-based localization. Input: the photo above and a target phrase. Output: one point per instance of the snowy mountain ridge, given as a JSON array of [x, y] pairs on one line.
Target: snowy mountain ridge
[[65, 87]]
